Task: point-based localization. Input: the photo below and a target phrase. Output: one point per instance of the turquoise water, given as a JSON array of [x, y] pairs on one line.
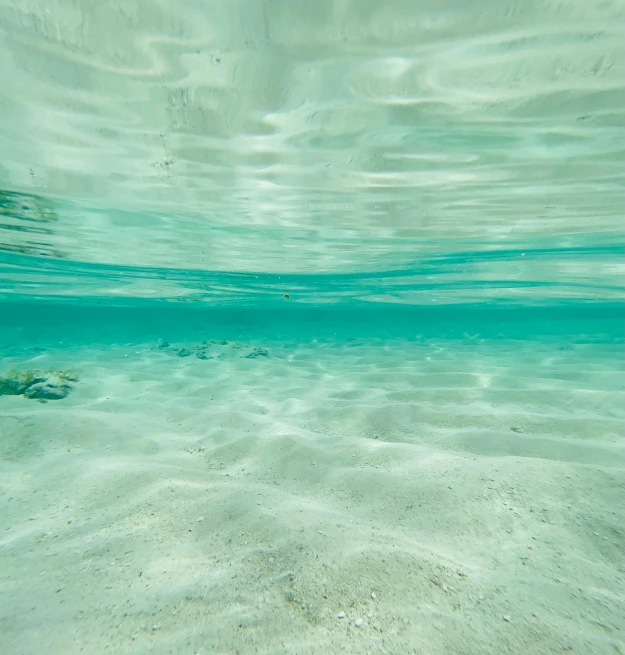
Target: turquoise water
[[312, 327]]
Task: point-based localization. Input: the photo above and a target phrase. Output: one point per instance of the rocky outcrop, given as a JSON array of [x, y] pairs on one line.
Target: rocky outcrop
[[52, 385]]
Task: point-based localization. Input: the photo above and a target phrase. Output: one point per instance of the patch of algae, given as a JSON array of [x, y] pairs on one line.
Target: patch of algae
[[51, 385]]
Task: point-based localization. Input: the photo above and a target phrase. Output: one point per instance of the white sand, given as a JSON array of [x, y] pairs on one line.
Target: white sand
[[174, 505]]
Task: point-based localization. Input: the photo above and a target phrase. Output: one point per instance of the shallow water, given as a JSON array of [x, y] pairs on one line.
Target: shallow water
[[311, 327]]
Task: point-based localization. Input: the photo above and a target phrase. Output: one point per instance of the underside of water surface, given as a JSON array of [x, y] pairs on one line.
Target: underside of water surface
[[329, 151]]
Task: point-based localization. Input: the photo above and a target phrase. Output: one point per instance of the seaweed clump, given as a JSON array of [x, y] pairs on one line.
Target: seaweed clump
[[52, 385]]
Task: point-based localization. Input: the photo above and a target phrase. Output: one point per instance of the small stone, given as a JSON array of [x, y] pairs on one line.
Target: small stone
[[358, 623], [373, 595], [340, 615], [516, 428], [507, 619]]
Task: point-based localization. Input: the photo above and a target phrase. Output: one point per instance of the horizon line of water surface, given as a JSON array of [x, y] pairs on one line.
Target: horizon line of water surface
[[51, 250], [65, 249], [526, 275]]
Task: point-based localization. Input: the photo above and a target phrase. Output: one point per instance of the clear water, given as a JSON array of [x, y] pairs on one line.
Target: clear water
[[339, 288]]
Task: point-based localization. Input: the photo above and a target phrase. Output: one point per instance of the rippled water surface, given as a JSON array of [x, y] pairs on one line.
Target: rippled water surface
[[234, 151]]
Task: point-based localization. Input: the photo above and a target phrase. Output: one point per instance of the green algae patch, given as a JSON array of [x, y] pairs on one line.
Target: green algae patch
[[37, 385]]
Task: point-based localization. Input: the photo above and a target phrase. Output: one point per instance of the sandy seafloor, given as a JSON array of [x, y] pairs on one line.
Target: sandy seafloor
[[363, 496]]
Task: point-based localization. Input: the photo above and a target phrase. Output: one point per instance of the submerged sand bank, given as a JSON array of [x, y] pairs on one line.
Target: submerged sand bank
[[379, 497]]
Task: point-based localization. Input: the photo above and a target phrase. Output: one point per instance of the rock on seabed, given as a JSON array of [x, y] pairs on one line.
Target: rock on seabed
[[54, 385]]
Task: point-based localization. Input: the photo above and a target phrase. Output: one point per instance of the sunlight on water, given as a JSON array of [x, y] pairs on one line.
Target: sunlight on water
[[312, 138]]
